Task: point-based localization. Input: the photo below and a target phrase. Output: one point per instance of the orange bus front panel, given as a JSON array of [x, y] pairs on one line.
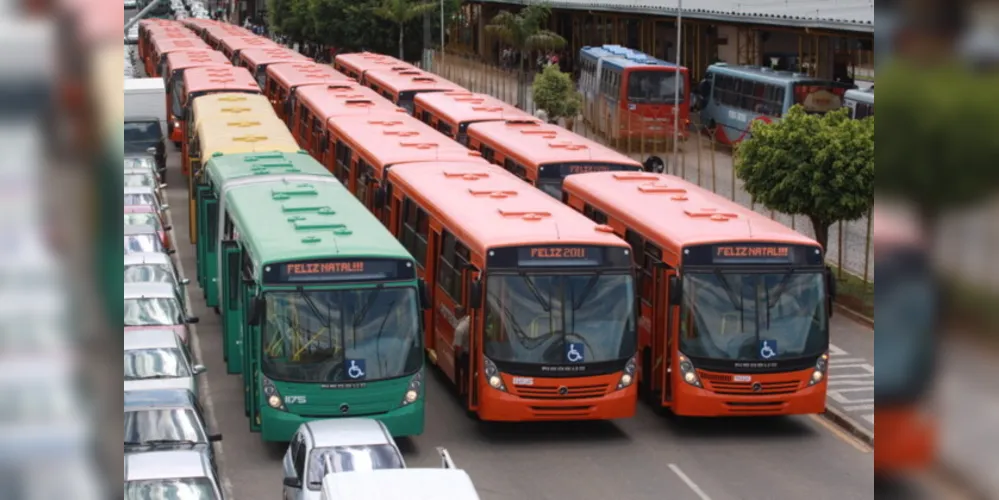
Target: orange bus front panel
[[907, 440], [560, 399], [732, 395]]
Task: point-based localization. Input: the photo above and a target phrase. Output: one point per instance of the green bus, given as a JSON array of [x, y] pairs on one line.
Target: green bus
[[323, 305], [219, 172]]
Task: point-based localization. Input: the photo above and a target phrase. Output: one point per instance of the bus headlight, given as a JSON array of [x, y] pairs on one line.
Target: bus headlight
[[628, 377], [274, 399], [819, 374], [413, 390], [493, 375], [688, 372]]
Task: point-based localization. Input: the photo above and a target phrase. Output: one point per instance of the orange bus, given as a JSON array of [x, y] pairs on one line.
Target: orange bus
[[543, 154], [356, 64], [232, 45], [176, 64], [315, 105], [147, 26], [548, 295], [213, 35], [452, 112], [365, 147], [198, 26], [401, 87], [210, 80], [734, 306], [164, 42], [283, 79], [257, 60]]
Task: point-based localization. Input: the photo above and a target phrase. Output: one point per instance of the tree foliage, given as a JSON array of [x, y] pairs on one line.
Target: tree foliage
[[556, 94], [525, 32], [939, 148], [817, 166], [400, 13]]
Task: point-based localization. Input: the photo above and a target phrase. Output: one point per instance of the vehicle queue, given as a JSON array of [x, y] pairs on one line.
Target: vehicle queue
[[344, 241]]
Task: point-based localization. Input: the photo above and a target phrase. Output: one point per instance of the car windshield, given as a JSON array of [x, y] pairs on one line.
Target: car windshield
[[351, 458], [342, 335], [655, 87], [139, 180], [142, 131], [754, 316], [142, 219], [555, 319], [164, 425], [155, 363], [145, 273], [188, 488], [143, 243], [140, 199], [152, 312], [140, 162]]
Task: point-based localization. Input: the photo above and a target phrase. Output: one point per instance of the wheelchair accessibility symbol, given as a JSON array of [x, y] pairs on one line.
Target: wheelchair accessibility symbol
[[574, 352], [355, 370], [768, 349]]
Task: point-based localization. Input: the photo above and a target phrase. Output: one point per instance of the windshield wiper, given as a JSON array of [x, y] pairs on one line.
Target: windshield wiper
[[537, 294], [732, 297], [363, 313], [576, 304]]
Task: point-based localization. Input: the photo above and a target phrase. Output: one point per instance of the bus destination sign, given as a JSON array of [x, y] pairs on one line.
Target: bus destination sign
[[767, 254], [338, 270], [558, 171], [559, 256], [752, 253]]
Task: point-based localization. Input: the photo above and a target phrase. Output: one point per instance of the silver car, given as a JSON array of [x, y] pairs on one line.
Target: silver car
[[144, 196], [143, 239], [152, 268], [144, 161], [186, 474], [157, 359], [348, 444]]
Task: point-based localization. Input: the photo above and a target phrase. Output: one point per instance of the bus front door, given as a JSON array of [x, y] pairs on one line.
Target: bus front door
[[670, 323], [232, 313]]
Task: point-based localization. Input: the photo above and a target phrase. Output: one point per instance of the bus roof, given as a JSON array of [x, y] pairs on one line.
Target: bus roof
[[229, 106], [409, 80], [241, 41], [363, 61], [624, 58], [162, 47], [463, 107], [533, 143], [487, 207], [295, 74], [401, 484], [195, 58], [245, 137], [213, 34], [164, 38], [388, 139], [761, 74], [271, 55], [195, 23], [674, 212], [866, 96], [222, 169], [219, 79], [344, 98], [330, 222]]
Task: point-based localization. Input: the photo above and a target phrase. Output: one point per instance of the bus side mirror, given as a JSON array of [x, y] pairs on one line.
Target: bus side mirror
[[675, 291], [475, 294], [424, 295], [256, 311]]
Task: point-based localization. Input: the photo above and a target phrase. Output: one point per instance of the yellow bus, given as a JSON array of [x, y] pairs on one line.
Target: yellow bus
[[234, 106]]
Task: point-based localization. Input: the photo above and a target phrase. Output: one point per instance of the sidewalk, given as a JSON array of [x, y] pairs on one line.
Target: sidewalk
[[851, 376]]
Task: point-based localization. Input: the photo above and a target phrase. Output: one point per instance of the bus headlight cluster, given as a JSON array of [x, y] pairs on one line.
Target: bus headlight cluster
[[413, 391], [628, 377], [688, 372], [274, 399], [493, 375], [819, 374]]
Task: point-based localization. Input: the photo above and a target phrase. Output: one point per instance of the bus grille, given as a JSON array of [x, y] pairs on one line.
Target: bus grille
[[723, 384], [551, 392]]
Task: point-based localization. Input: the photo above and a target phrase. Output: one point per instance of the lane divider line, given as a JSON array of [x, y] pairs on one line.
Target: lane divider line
[[690, 482]]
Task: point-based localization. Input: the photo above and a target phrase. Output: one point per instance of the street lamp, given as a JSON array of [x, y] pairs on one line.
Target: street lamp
[[676, 87]]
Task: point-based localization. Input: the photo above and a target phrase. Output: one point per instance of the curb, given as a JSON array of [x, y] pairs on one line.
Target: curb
[[848, 424], [854, 315]]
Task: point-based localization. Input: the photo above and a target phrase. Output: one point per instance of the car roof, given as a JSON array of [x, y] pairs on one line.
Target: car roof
[[165, 465], [402, 484], [149, 290], [151, 339], [348, 432], [134, 259], [139, 190], [137, 171], [158, 398], [136, 229]]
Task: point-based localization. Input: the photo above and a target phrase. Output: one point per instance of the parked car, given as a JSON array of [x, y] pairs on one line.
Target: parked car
[[143, 177], [144, 215], [166, 419], [145, 161], [351, 444], [144, 239], [146, 135], [154, 268], [155, 305], [158, 359], [145, 196], [186, 474]]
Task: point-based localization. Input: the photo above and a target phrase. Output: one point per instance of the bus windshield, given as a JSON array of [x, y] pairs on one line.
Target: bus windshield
[[341, 335], [754, 316], [555, 319], [818, 97], [655, 87]]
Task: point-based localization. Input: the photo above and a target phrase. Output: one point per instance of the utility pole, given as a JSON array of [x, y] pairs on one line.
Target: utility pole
[[142, 13], [676, 85]]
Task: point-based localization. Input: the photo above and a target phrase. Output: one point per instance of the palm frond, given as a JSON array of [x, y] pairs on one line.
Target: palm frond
[[545, 40], [420, 9]]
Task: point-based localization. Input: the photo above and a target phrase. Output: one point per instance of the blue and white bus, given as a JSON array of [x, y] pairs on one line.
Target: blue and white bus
[[733, 97], [860, 102]]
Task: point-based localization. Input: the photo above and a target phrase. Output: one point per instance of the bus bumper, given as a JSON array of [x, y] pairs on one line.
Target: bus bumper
[[498, 406], [692, 401], [280, 426]]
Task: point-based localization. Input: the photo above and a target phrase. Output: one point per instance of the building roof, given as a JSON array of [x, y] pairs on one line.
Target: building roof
[[846, 15]]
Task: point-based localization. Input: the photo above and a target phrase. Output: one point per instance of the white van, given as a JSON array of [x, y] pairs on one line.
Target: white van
[[446, 483]]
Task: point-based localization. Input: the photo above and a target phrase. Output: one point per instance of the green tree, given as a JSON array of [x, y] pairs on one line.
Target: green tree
[[938, 150], [524, 31], [401, 13], [817, 166], [556, 94]]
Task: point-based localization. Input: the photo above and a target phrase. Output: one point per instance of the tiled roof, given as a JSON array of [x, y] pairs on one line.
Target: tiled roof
[[847, 15]]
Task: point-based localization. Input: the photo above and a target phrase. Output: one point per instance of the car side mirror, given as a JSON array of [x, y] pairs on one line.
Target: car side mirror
[[192, 320], [475, 294], [163, 186], [293, 482], [675, 291], [171, 251], [199, 369], [167, 227], [214, 438], [185, 281]]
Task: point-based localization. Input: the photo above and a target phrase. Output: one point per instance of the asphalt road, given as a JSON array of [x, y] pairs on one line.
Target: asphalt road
[[648, 457]]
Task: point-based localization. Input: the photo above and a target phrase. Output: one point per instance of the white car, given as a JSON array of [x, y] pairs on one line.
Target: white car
[[131, 4], [157, 359], [186, 474], [350, 444]]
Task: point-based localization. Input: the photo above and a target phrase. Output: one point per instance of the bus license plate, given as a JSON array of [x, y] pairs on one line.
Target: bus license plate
[[742, 378], [523, 380]]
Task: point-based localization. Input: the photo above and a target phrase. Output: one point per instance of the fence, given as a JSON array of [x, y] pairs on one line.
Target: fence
[[700, 159]]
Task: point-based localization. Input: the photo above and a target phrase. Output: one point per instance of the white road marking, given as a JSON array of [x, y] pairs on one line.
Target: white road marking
[[690, 482]]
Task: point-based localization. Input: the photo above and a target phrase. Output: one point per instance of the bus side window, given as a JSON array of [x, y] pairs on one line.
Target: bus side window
[[448, 272], [342, 167], [415, 229], [363, 180], [444, 128], [487, 153], [303, 124], [594, 214], [653, 257], [317, 133], [227, 231], [510, 165], [638, 251]]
